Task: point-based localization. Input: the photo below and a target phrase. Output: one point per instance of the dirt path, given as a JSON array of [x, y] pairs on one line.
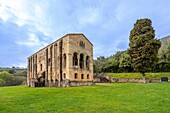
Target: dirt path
[[103, 84]]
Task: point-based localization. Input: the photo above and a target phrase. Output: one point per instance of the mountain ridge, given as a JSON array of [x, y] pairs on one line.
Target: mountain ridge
[[164, 45]]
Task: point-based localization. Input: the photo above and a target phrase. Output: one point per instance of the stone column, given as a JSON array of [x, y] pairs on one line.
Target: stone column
[[60, 61], [84, 62], [30, 67], [46, 72], [91, 66], [78, 69], [51, 60], [32, 71], [28, 73], [68, 60], [33, 66], [54, 53], [78, 62], [29, 70], [69, 64], [36, 67]]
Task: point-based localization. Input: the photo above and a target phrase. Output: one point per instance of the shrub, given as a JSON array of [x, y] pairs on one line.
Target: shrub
[[2, 82], [8, 79]]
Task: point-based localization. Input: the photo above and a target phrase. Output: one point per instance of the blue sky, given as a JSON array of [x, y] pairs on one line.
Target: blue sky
[[28, 25]]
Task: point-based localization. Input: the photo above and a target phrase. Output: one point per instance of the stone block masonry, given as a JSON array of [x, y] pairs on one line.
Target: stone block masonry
[[66, 62]]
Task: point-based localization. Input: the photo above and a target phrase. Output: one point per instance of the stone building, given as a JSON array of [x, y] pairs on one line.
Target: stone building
[[66, 62]]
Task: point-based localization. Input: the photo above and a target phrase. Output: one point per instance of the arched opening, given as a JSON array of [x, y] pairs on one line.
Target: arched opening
[[87, 62], [81, 61], [64, 76], [87, 76], [82, 76], [41, 67], [75, 76], [75, 59], [64, 63]]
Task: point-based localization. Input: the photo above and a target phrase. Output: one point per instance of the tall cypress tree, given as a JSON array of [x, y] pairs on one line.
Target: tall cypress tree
[[143, 47]]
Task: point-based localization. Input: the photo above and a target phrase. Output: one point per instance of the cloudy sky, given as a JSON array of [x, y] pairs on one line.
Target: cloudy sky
[[28, 25]]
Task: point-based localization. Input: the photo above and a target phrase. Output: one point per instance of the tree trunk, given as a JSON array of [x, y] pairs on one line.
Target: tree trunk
[[143, 77]]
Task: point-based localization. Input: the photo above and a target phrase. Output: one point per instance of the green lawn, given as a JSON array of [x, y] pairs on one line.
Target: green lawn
[[138, 75], [111, 98]]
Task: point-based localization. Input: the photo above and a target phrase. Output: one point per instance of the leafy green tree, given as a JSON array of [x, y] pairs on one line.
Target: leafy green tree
[[11, 71], [143, 47], [7, 77], [111, 65], [125, 63], [101, 58], [168, 53], [2, 82], [98, 64]]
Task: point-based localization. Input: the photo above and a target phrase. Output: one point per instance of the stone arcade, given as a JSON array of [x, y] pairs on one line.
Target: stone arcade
[[66, 62]]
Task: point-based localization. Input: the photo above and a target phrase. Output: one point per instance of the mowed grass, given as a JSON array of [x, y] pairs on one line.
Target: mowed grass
[[109, 98], [138, 75]]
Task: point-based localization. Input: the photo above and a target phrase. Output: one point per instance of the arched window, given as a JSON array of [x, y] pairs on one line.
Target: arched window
[[75, 76], [87, 76], [82, 76], [75, 59], [64, 75], [81, 61], [87, 62], [41, 67], [64, 63]]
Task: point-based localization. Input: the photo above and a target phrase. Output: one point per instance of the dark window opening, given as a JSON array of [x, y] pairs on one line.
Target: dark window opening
[[82, 44], [82, 76], [64, 75], [75, 59], [41, 67], [75, 76], [87, 62], [81, 61], [64, 60], [87, 76]]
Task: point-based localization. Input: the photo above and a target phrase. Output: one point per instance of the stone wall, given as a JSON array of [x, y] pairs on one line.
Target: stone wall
[[54, 63], [104, 78]]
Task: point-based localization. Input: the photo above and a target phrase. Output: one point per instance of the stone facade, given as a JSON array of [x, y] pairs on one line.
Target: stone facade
[[66, 62]]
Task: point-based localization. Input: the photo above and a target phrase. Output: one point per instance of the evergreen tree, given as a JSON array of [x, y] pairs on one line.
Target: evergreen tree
[[143, 47]]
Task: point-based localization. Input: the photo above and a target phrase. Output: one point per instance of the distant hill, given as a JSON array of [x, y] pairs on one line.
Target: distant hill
[[15, 71], [164, 45]]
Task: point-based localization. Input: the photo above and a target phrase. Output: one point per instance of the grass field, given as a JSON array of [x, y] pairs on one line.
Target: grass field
[[109, 98], [138, 75]]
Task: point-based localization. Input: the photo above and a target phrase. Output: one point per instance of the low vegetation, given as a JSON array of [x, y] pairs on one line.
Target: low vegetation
[[16, 71], [110, 98], [138, 75], [7, 79]]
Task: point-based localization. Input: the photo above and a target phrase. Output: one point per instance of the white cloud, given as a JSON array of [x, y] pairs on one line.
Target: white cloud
[[15, 9], [24, 12], [88, 16], [33, 40]]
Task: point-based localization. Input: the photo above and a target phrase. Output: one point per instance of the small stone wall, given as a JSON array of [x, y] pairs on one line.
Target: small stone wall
[[104, 78], [81, 83], [64, 83], [133, 80]]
